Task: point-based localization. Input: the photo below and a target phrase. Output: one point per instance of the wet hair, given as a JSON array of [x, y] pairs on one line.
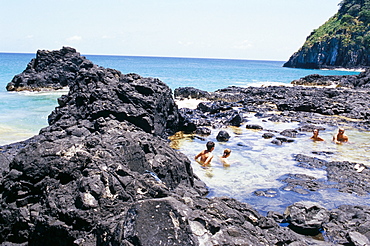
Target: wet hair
[[226, 152], [210, 145]]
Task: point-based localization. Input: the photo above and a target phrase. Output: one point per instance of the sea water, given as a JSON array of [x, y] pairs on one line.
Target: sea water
[[257, 164], [23, 114]]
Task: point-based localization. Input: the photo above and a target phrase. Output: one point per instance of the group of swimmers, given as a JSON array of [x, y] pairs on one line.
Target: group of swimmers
[[205, 156], [338, 138]]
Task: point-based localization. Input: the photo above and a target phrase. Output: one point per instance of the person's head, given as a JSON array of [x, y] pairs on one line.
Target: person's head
[[316, 132], [341, 130], [226, 152], [210, 145]]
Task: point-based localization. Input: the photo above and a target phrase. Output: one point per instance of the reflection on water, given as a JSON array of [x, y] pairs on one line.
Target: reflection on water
[[257, 164]]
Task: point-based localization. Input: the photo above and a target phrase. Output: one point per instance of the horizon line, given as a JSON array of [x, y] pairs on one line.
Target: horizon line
[[153, 56]]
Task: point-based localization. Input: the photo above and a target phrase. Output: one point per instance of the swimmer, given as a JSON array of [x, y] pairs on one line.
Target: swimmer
[[226, 154], [340, 137], [315, 136], [206, 155]]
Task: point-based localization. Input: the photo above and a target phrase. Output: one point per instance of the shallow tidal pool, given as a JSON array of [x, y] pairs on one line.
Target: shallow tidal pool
[[257, 164]]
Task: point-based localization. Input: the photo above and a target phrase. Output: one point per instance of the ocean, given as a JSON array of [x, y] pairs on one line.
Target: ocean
[[259, 167], [22, 114]]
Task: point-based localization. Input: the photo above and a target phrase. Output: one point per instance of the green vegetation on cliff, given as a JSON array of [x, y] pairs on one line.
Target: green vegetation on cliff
[[351, 25], [343, 41]]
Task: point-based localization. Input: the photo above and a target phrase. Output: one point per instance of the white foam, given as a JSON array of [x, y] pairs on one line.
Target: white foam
[[188, 103], [262, 84]]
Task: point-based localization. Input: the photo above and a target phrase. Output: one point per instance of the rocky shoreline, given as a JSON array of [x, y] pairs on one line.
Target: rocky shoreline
[[102, 172]]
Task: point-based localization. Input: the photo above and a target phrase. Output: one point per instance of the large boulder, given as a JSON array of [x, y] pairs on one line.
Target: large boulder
[[306, 217]]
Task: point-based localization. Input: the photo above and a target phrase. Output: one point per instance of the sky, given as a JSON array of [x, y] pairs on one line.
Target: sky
[[233, 29]]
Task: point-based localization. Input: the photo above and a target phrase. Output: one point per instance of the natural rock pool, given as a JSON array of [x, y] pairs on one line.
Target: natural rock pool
[[257, 165]]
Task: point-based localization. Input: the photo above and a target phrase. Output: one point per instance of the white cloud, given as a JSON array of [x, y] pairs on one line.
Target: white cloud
[[74, 38], [107, 37], [185, 43], [29, 36], [246, 44]]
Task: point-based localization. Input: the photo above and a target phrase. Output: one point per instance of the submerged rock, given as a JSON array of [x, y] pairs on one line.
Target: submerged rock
[[253, 127], [223, 136]]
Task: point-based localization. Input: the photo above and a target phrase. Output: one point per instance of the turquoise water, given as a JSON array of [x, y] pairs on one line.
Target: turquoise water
[[208, 74], [257, 166], [23, 114]]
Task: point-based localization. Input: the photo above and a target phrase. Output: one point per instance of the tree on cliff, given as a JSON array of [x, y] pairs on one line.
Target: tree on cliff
[[343, 41]]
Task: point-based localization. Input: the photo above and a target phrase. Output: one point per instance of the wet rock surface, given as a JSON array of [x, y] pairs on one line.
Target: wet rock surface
[[281, 104], [312, 107], [102, 172]]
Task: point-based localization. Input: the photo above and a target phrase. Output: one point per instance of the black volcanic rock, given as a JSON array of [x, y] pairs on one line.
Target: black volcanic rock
[[304, 104], [306, 217], [87, 172], [50, 70], [98, 94], [223, 136], [102, 173], [349, 81]]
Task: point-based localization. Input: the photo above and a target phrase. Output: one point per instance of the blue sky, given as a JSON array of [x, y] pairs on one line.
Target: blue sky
[[240, 29]]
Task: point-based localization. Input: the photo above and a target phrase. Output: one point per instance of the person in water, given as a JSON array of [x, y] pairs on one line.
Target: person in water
[[315, 136], [206, 155], [224, 156], [340, 137]]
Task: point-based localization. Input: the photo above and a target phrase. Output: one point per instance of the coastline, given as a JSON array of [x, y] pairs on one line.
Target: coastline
[[104, 162], [359, 70]]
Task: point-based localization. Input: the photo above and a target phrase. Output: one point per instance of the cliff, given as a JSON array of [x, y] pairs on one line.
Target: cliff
[[342, 42]]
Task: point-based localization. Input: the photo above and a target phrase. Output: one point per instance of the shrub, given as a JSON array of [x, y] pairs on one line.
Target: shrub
[[364, 16], [347, 19]]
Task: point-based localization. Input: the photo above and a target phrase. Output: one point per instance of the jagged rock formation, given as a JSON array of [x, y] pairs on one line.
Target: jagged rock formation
[[301, 104], [342, 42], [85, 177], [50, 70], [102, 173]]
